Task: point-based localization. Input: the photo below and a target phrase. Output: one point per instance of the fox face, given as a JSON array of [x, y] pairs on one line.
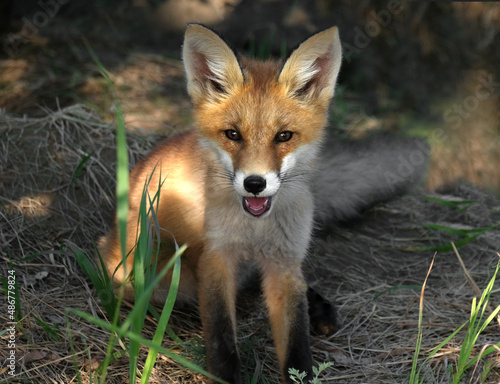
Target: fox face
[[260, 141], [264, 120]]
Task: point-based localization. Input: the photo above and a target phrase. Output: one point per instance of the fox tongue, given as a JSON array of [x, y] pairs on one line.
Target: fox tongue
[[256, 205]]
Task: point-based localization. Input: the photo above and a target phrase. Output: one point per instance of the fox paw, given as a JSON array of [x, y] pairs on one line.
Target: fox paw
[[322, 314]]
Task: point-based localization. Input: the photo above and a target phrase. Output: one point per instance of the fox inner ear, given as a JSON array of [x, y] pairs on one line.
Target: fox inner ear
[[212, 69], [311, 70]]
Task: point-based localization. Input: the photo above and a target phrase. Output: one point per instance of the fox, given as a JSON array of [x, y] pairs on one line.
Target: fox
[[247, 188]]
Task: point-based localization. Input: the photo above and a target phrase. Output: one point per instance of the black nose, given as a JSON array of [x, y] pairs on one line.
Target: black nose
[[254, 184]]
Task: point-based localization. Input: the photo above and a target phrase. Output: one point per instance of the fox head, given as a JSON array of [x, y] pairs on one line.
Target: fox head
[[264, 120]]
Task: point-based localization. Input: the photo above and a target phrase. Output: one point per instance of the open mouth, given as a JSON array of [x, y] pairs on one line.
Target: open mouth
[[257, 206]]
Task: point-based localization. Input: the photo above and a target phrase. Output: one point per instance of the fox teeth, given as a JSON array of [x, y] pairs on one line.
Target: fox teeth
[[256, 206]]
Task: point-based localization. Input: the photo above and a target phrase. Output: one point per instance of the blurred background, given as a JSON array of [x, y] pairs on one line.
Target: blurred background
[[427, 69]]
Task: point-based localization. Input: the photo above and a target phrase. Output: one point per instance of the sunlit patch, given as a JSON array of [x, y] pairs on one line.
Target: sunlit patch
[[31, 206], [13, 70]]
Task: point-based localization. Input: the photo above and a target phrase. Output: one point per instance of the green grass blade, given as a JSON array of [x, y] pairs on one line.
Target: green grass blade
[[164, 318], [170, 332], [80, 167], [144, 299], [457, 204], [141, 277], [122, 178], [468, 235], [47, 328], [459, 231]]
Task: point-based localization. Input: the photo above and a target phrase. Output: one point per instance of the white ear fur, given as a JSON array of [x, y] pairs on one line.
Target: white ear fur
[[312, 69], [212, 69]]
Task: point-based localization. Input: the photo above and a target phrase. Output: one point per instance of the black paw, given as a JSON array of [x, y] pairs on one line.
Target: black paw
[[227, 368], [322, 314]]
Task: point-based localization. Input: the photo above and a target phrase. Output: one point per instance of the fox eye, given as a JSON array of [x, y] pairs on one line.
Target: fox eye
[[231, 134], [283, 136]]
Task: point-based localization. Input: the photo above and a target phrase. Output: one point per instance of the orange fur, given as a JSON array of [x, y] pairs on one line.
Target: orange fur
[[174, 217], [283, 290]]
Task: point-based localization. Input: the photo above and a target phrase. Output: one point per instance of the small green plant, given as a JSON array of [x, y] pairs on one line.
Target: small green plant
[[298, 377], [100, 280], [474, 327]]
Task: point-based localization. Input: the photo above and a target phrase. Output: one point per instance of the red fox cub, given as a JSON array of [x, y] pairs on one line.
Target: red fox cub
[[241, 190]]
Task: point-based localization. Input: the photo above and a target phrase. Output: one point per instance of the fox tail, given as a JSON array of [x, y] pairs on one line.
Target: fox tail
[[354, 176]]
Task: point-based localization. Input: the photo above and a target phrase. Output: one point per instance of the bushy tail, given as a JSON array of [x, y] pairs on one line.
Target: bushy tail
[[355, 175]]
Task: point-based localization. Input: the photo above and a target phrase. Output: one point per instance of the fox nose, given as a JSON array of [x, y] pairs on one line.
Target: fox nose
[[254, 184]]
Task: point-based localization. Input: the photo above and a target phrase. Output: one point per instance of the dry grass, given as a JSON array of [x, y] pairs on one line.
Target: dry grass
[[51, 200]]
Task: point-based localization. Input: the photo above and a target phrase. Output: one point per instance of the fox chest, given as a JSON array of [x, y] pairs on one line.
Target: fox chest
[[285, 233]]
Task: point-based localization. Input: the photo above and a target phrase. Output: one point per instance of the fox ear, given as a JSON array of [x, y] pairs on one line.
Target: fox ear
[[311, 70], [212, 69]]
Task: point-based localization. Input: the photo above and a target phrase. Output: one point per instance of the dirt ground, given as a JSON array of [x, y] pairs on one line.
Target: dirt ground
[[422, 69]]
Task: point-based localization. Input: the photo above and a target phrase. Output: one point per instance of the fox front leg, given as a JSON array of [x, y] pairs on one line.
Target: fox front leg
[[285, 292], [217, 301]]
